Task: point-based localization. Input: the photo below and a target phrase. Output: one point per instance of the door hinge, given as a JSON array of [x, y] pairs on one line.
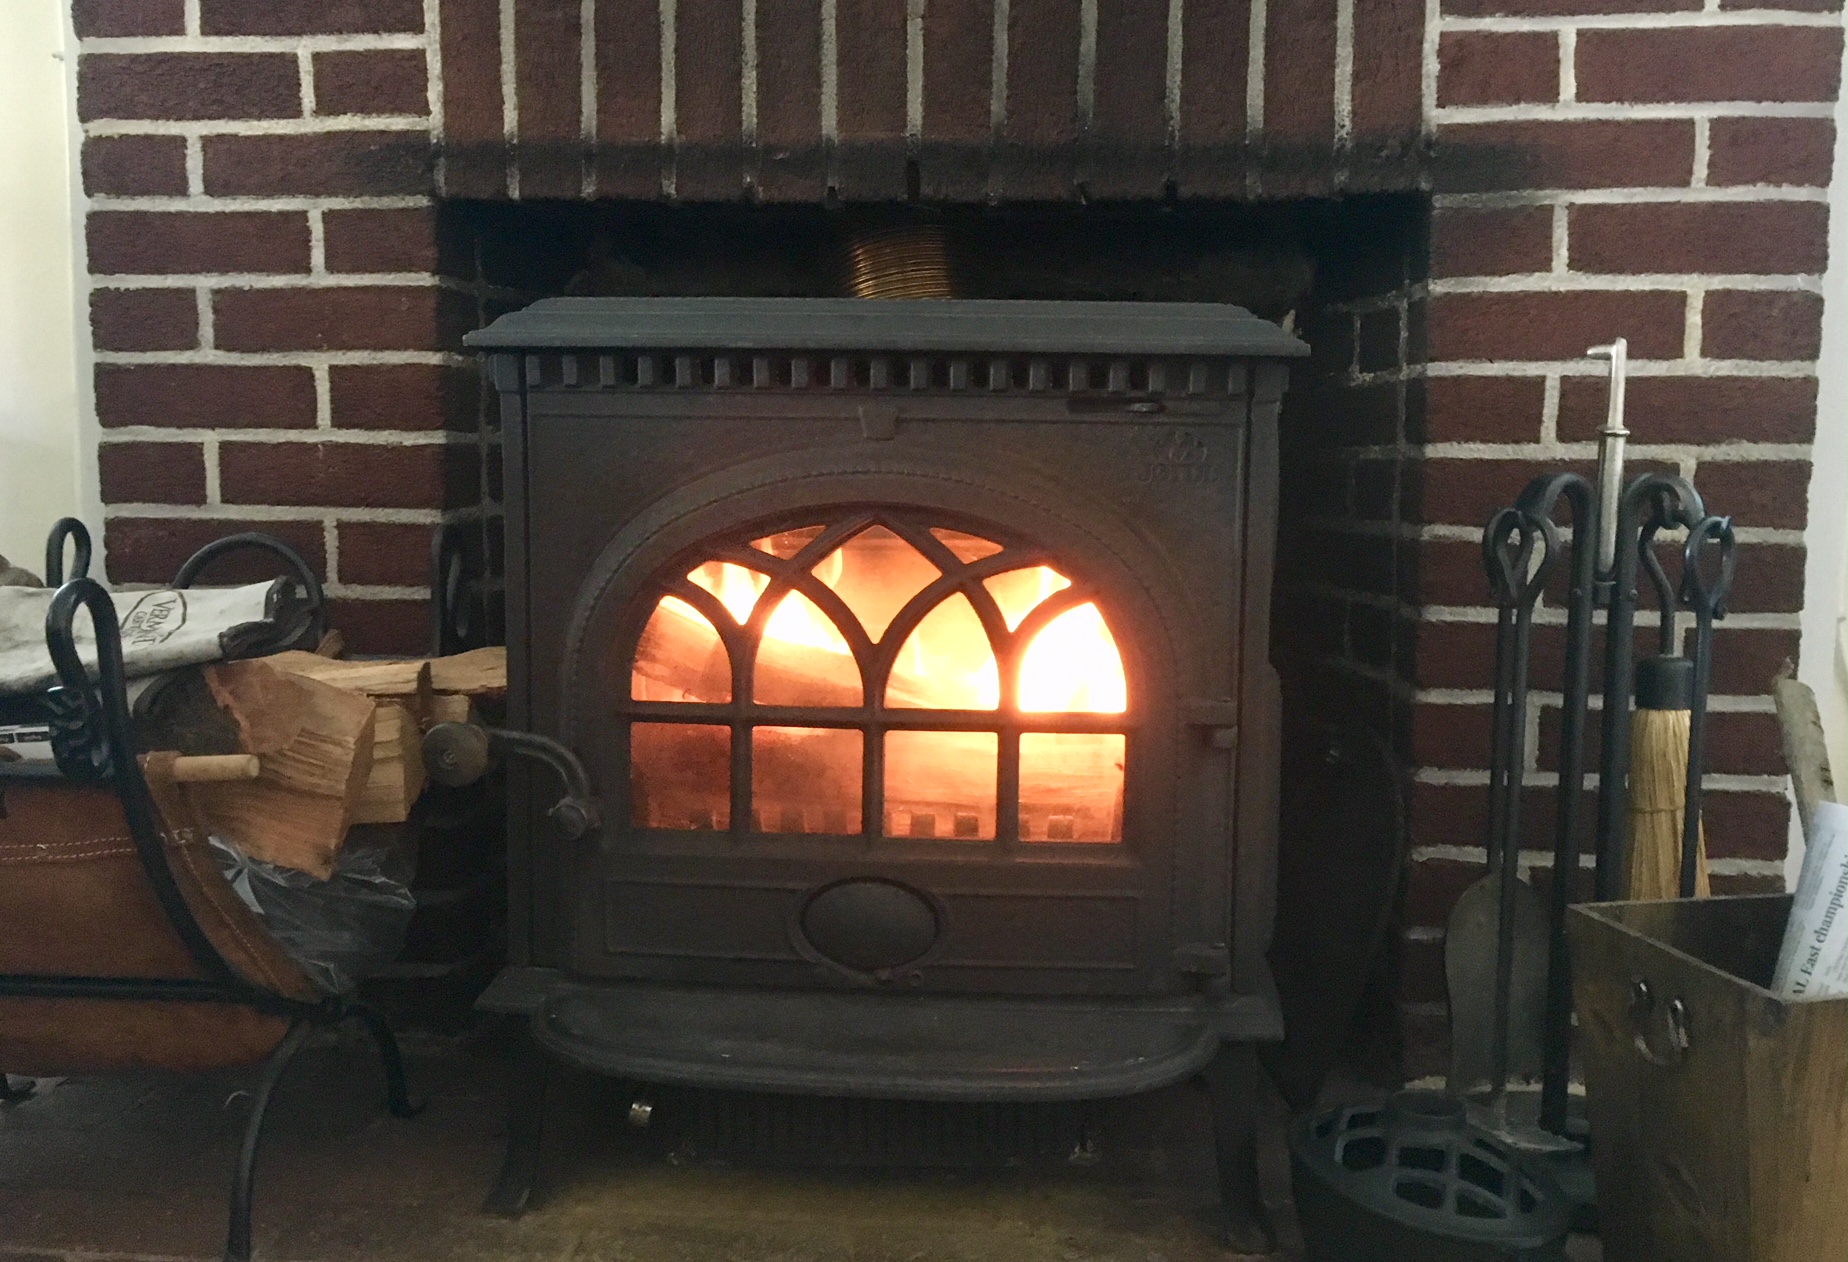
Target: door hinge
[[1218, 718], [1203, 959]]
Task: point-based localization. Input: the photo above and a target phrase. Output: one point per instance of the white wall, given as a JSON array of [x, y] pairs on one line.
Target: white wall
[[1823, 667], [45, 468]]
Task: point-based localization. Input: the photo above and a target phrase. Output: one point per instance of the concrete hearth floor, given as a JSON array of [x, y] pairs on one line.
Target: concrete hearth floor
[[136, 1166]]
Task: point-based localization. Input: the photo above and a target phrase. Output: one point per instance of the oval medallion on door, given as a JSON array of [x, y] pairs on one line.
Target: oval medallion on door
[[869, 925]]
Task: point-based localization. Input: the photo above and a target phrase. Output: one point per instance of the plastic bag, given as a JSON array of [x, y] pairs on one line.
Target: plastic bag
[[339, 930]]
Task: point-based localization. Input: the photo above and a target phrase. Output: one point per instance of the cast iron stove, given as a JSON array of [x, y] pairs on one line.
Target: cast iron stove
[[915, 654]]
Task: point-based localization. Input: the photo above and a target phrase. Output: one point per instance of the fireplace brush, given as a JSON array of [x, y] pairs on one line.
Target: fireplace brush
[[1615, 533]]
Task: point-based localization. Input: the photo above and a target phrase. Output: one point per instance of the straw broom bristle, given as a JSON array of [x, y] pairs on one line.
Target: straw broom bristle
[[1658, 788]]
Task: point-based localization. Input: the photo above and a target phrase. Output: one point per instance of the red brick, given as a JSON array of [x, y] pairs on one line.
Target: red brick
[[380, 240], [348, 475], [327, 164], [1732, 237], [211, 396], [134, 166], [1761, 324], [788, 98], [144, 319], [359, 318], [474, 150], [384, 553], [1746, 659], [1773, 493], [386, 81], [1478, 157], [958, 77], [1469, 492], [1042, 87], [1497, 68], [1483, 409], [1746, 825], [99, 19], [1798, 151], [1299, 94], [1713, 63], [1770, 579], [152, 549], [309, 17], [161, 242], [708, 79], [1421, 971], [1447, 572], [1695, 409], [1554, 325], [1432, 888], [1126, 143], [1388, 69], [546, 46], [1743, 744], [404, 396], [1563, 8], [152, 473], [187, 85], [397, 627], [870, 43], [1497, 242]]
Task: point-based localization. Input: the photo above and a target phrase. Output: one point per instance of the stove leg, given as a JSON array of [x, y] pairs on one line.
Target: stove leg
[[513, 1187], [1237, 1084]]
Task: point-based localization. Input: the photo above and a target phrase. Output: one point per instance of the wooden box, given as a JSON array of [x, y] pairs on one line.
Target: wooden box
[[1716, 1108]]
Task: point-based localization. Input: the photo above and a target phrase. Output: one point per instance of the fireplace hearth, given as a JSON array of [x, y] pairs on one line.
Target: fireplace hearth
[[917, 656]]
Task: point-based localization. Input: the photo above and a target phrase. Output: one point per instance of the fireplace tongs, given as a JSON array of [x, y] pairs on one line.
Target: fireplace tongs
[[456, 754]]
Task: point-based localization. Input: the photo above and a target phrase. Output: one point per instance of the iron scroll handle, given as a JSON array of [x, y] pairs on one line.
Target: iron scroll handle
[[256, 540], [66, 528], [457, 754], [1671, 1049]]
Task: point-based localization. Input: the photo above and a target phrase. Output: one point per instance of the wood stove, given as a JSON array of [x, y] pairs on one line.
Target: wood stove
[[915, 654]]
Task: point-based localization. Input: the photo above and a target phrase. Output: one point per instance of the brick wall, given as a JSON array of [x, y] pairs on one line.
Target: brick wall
[[278, 288]]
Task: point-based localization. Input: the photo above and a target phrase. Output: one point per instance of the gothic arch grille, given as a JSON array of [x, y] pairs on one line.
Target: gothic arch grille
[[879, 675]]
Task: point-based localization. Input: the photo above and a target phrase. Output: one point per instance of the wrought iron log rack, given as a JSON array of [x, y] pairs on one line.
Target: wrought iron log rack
[[92, 745]]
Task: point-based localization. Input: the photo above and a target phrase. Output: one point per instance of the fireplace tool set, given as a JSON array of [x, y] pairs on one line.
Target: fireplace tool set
[[1455, 1175]]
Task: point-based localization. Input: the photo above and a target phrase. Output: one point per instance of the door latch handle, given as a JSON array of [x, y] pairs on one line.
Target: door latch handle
[[457, 754]]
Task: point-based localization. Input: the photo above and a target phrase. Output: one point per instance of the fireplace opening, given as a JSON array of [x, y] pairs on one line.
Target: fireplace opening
[[877, 674]]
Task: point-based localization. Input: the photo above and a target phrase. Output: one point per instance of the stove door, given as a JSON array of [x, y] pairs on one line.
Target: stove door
[[888, 739]]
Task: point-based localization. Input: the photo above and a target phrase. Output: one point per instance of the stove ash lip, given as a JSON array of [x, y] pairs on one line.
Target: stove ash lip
[[922, 326], [874, 928]]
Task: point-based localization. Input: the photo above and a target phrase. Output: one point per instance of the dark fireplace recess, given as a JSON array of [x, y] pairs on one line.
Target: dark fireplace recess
[[916, 654]]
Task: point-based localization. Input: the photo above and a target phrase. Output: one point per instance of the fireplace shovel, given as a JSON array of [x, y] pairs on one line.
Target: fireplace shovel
[[1495, 946]]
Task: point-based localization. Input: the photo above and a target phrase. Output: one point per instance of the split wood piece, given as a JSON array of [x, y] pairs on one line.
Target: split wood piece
[[478, 673], [315, 742], [397, 776], [1806, 751]]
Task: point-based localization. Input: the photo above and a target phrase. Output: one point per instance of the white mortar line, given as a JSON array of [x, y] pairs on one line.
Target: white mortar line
[[1344, 72], [380, 591], [1794, 369], [257, 126], [1643, 21], [317, 243], [273, 512], [201, 203], [510, 95], [1087, 64], [431, 42], [257, 359], [1620, 111], [1428, 66], [195, 174], [830, 74], [319, 434], [208, 453], [997, 74], [396, 41], [1549, 411], [1254, 70], [1741, 193], [587, 90], [304, 73], [914, 72], [1171, 92], [330, 543], [1565, 281], [323, 397], [190, 12], [1568, 64], [202, 295], [1703, 151], [1691, 329], [287, 280], [1561, 255], [670, 96]]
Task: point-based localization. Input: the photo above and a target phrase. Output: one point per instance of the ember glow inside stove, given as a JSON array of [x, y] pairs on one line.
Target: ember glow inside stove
[[916, 656]]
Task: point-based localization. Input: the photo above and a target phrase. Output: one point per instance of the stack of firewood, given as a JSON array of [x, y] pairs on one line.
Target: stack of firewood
[[324, 744]]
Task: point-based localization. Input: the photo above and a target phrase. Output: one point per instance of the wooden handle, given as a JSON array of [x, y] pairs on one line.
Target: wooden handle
[[212, 768]]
